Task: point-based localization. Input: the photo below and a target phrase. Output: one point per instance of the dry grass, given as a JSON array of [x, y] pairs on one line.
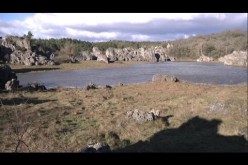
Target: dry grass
[[65, 120]]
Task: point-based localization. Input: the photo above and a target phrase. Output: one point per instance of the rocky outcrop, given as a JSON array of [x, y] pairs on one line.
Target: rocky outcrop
[[14, 42], [99, 55], [102, 57], [204, 58], [17, 50], [6, 74], [164, 77], [12, 85], [150, 54], [96, 148], [91, 86], [238, 58], [37, 87], [29, 58], [141, 116]]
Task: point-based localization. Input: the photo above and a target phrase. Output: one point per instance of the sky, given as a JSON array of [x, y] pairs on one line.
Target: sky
[[95, 27]]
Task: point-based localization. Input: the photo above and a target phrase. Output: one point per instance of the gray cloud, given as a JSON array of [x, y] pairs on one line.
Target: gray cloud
[[198, 25], [156, 30]]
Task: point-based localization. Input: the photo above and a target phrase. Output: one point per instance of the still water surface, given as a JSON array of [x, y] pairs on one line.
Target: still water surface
[[138, 73]]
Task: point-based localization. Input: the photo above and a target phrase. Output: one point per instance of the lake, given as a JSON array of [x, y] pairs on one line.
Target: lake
[[210, 73]]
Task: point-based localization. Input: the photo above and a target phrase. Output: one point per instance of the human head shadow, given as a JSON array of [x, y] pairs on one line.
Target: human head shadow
[[195, 135], [22, 100], [165, 119]]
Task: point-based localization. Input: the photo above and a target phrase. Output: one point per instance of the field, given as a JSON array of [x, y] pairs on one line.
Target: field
[[194, 118]]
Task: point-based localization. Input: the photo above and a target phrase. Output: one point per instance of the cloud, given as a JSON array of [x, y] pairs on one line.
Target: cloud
[[89, 34], [123, 26]]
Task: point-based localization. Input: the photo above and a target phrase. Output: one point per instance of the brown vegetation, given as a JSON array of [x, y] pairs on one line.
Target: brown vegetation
[[65, 120]]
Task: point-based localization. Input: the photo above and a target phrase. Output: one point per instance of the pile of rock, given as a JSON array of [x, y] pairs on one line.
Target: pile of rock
[[164, 77], [141, 116], [96, 148]]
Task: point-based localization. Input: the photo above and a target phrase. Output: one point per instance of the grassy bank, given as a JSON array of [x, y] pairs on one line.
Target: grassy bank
[[70, 66], [194, 118]]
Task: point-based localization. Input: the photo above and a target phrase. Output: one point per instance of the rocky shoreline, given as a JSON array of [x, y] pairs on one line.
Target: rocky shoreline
[[18, 50]]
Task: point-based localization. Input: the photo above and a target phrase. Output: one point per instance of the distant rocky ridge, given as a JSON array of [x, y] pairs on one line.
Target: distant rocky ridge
[[17, 50], [150, 54]]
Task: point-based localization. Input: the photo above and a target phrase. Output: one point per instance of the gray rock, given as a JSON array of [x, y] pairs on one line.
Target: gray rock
[[96, 148], [164, 77], [6, 74], [12, 85], [17, 50], [37, 87], [111, 54], [140, 116], [217, 107], [15, 41], [102, 57], [204, 58], [236, 58], [91, 86]]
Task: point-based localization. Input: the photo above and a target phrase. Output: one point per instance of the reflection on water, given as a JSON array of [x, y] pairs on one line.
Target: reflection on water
[[187, 71]]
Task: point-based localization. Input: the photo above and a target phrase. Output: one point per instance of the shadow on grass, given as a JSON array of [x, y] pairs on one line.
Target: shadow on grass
[[17, 101], [195, 135], [25, 70]]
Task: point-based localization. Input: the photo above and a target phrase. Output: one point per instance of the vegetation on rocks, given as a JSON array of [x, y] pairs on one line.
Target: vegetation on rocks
[[213, 45]]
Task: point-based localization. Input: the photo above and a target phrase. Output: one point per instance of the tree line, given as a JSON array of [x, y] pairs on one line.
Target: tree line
[[213, 45]]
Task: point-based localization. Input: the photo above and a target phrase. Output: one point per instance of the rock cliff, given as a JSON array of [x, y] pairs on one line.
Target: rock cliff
[[236, 58], [17, 50]]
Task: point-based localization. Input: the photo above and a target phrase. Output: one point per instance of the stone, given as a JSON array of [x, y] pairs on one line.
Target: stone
[[204, 58], [17, 50], [91, 86], [140, 116], [108, 87], [164, 77], [12, 85], [238, 58], [37, 87], [96, 148]]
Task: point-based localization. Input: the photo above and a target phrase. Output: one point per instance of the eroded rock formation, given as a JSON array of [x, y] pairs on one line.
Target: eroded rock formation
[[150, 54], [236, 58], [17, 50], [204, 58]]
